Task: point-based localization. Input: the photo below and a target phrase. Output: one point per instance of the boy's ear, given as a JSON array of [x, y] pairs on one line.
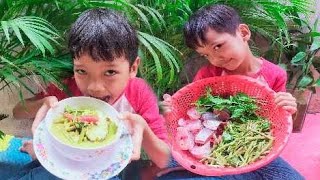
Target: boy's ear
[[134, 67], [245, 32]]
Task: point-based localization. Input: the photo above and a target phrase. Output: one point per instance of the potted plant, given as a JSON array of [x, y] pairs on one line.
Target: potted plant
[[303, 69]]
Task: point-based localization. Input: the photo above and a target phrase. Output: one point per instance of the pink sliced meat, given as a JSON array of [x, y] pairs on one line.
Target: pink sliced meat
[[184, 138], [209, 116], [182, 122], [203, 136], [211, 124], [194, 125], [193, 114], [201, 151]]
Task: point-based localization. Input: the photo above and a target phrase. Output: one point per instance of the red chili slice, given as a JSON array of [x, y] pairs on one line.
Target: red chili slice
[[89, 119]]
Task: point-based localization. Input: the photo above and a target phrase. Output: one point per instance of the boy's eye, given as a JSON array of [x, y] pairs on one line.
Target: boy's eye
[[204, 55], [80, 71], [110, 73], [217, 47]]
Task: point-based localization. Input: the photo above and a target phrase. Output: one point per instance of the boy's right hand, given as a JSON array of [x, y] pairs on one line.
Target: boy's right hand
[[166, 104], [49, 102]]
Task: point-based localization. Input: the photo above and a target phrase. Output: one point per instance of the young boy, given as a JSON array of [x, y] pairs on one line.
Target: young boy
[[104, 48], [216, 33]]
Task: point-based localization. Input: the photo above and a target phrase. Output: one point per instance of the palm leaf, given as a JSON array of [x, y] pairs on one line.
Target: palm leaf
[[38, 31], [154, 55], [139, 12], [166, 52], [155, 17]]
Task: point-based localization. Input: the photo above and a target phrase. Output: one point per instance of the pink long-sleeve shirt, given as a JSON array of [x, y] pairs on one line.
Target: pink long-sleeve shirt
[[269, 74]]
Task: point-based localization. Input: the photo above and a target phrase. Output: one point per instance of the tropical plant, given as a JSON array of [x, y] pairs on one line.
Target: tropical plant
[[156, 53], [269, 20], [25, 41], [303, 68], [155, 20]]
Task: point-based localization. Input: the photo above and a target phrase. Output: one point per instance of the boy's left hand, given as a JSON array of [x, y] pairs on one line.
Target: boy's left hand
[[136, 125], [286, 101]]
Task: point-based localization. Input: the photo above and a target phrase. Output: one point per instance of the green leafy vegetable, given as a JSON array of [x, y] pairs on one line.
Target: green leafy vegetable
[[241, 106]]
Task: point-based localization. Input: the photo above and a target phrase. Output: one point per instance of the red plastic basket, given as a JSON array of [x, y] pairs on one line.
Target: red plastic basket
[[281, 121]]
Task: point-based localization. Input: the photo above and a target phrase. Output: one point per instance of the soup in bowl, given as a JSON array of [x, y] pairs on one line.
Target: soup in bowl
[[83, 128]]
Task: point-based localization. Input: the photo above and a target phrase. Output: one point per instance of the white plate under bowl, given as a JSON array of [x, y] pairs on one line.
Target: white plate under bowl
[[111, 164]]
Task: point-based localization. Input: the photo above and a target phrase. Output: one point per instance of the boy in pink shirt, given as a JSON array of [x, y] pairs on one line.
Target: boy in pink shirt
[[104, 48], [216, 33]]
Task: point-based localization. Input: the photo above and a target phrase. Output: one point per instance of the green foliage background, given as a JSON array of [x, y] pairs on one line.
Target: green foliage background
[[33, 37]]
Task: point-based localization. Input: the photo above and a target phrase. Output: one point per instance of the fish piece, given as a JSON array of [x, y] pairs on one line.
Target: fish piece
[[203, 136], [209, 116], [200, 152], [96, 133], [194, 125], [184, 138], [211, 124], [193, 113], [182, 122]]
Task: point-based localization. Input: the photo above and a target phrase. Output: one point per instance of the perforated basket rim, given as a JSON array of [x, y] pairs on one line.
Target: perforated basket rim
[[215, 171]]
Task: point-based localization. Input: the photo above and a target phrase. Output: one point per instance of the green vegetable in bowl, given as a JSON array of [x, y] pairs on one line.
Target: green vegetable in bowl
[[84, 128]]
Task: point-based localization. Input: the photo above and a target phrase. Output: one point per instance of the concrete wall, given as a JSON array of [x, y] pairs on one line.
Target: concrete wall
[[10, 125]]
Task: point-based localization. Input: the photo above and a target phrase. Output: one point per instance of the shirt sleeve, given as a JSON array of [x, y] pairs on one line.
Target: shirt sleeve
[[145, 103], [52, 90], [275, 76], [280, 82]]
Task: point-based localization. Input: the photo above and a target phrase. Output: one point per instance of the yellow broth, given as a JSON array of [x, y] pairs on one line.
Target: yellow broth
[[71, 138]]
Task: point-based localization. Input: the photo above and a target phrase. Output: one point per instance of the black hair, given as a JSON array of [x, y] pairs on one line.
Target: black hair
[[104, 35], [220, 18]]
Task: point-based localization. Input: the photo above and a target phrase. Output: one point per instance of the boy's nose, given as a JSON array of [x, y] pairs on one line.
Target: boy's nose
[[95, 88]]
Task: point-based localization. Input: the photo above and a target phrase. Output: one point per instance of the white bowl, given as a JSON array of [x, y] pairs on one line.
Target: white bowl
[[82, 153]]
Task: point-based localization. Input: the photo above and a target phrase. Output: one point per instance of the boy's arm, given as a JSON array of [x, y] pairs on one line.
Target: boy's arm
[[154, 133], [157, 150], [145, 104], [143, 136]]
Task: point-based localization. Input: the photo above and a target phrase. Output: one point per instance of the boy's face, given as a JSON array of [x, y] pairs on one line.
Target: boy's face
[[105, 80], [226, 50]]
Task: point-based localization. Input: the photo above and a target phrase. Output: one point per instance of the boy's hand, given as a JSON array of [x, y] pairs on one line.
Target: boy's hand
[[286, 101], [166, 104], [136, 125], [49, 102]]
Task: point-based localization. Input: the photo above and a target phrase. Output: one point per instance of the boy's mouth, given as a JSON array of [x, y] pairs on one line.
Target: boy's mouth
[[104, 98]]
